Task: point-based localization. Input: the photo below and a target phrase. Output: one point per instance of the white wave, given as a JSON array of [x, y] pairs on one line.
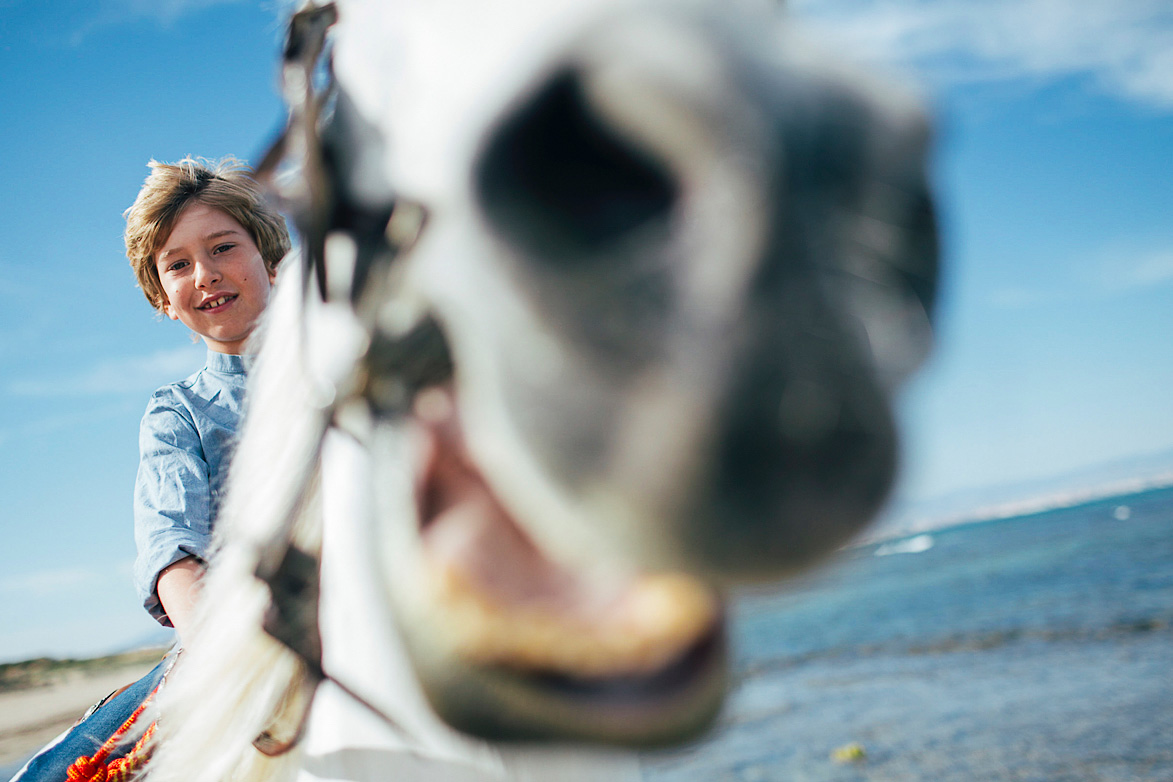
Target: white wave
[[914, 545]]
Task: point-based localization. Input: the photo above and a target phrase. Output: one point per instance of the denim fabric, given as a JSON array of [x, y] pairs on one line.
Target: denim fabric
[[53, 762], [185, 443]]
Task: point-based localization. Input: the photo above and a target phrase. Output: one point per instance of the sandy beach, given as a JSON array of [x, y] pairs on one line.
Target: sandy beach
[[32, 716]]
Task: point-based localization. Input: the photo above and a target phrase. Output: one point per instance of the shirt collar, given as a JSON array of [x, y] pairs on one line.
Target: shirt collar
[[228, 364]]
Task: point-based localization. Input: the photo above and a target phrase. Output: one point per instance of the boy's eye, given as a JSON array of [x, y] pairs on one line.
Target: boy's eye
[[222, 248], [175, 266]]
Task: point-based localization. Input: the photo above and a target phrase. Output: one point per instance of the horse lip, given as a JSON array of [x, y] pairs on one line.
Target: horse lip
[[509, 606], [705, 652]]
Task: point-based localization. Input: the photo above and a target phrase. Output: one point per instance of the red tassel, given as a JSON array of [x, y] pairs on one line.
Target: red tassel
[[93, 768]]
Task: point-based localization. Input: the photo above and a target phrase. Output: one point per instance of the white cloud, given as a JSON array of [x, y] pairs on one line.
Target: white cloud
[[49, 581], [130, 374], [1124, 46], [1016, 298], [36, 429], [10, 286], [1108, 272], [1124, 270], [64, 579], [164, 12]]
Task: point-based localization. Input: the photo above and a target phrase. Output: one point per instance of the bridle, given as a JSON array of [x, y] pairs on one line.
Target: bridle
[[341, 208]]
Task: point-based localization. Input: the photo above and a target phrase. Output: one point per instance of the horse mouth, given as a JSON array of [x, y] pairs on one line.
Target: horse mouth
[[501, 604]]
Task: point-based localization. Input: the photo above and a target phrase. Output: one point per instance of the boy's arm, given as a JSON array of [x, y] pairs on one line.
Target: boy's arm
[[172, 502], [178, 588]]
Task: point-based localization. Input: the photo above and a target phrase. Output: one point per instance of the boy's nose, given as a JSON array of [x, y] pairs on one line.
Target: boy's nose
[[206, 274]]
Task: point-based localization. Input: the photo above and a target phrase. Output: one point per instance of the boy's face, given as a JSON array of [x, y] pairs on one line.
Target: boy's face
[[213, 277]]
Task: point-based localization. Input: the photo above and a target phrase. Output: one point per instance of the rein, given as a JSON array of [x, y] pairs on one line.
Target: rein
[[321, 173]]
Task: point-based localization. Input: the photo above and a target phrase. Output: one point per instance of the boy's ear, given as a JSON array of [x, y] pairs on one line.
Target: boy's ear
[[168, 310]]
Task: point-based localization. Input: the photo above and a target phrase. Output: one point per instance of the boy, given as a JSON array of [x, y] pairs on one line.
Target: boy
[[204, 247]]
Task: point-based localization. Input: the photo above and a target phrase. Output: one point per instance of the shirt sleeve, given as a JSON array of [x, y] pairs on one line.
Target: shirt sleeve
[[172, 497]]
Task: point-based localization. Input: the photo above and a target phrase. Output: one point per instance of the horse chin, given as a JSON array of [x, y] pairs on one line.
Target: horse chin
[[513, 645]]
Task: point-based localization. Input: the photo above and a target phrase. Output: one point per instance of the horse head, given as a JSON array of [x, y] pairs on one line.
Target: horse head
[[629, 291]]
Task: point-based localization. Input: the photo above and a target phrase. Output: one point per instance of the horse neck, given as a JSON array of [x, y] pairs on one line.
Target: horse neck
[[361, 646]]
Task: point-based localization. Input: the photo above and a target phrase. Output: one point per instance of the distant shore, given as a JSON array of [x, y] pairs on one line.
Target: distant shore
[[41, 698], [903, 523]]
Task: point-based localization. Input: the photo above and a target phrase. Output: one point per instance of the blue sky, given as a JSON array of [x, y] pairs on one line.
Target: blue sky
[[1054, 166]]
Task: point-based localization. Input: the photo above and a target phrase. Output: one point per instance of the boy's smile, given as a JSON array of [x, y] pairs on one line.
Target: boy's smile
[[214, 277]]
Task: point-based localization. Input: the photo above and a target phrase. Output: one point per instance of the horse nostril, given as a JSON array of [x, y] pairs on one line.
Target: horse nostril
[[807, 411], [558, 182]]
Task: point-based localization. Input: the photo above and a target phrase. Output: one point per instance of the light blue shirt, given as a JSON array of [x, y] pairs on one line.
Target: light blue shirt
[[185, 442]]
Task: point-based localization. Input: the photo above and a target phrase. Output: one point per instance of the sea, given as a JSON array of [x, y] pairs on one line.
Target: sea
[[1032, 648]]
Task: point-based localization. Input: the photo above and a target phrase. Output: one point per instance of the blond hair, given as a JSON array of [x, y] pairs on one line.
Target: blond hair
[[224, 184]]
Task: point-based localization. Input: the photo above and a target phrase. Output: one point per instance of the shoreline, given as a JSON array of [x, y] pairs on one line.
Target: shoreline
[[35, 713]]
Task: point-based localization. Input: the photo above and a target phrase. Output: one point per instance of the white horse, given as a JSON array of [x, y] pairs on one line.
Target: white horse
[[602, 309]]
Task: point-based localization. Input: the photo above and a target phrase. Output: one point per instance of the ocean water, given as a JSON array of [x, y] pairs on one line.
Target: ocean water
[[1034, 648]]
